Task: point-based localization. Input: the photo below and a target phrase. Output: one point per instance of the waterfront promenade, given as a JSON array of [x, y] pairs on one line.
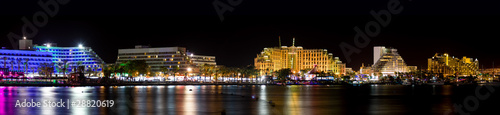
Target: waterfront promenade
[[114, 82]]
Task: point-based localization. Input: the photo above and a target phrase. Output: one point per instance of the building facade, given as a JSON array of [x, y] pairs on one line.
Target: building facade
[[26, 61], [25, 44], [451, 66], [412, 68], [367, 70], [30, 59], [200, 60], [491, 71], [387, 61], [297, 58], [168, 57], [72, 57]]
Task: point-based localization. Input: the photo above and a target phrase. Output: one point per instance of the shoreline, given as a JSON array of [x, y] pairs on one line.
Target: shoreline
[[167, 84]]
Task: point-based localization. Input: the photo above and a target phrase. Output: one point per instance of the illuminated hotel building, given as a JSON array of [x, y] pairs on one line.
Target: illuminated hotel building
[[200, 60], [450, 66], [388, 61], [72, 57], [365, 69], [24, 60], [31, 57], [297, 58], [165, 57], [491, 71]]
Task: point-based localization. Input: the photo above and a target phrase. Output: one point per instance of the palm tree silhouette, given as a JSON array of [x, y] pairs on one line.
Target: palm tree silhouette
[[4, 62], [26, 65]]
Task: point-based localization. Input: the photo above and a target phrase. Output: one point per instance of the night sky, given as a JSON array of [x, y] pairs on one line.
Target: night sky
[[424, 27]]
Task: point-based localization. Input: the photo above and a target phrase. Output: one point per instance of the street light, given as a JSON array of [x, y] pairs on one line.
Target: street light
[[80, 46]]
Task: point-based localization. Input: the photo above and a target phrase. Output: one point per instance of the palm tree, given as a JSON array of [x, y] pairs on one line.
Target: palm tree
[[12, 64], [232, 73], [165, 70], [224, 71], [18, 64], [65, 67], [89, 71], [78, 64], [26, 62], [204, 70], [208, 70], [216, 70], [32, 70], [303, 72], [46, 69], [283, 73], [251, 71], [174, 70], [4, 62], [241, 72]]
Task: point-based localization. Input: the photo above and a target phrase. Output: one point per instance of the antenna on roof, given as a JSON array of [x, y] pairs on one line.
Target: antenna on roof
[[279, 39], [293, 44]]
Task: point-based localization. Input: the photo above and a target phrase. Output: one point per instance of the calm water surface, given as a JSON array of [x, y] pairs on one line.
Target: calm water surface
[[249, 99]]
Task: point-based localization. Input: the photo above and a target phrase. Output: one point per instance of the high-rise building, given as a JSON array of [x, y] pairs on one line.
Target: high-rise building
[[296, 58], [451, 66], [72, 57], [168, 57], [387, 61]]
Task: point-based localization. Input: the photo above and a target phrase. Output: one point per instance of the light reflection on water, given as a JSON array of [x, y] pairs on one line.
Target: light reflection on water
[[234, 99]]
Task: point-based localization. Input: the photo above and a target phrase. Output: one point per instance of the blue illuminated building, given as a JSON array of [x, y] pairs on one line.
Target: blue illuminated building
[[31, 59], [73, 57], [26, 61]]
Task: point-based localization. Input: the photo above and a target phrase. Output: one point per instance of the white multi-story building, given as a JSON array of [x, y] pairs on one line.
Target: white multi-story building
[[387, 61], [168, 57], [200, 60]]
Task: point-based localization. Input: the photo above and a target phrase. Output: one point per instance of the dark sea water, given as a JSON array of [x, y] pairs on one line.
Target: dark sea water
[[255, 99]]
